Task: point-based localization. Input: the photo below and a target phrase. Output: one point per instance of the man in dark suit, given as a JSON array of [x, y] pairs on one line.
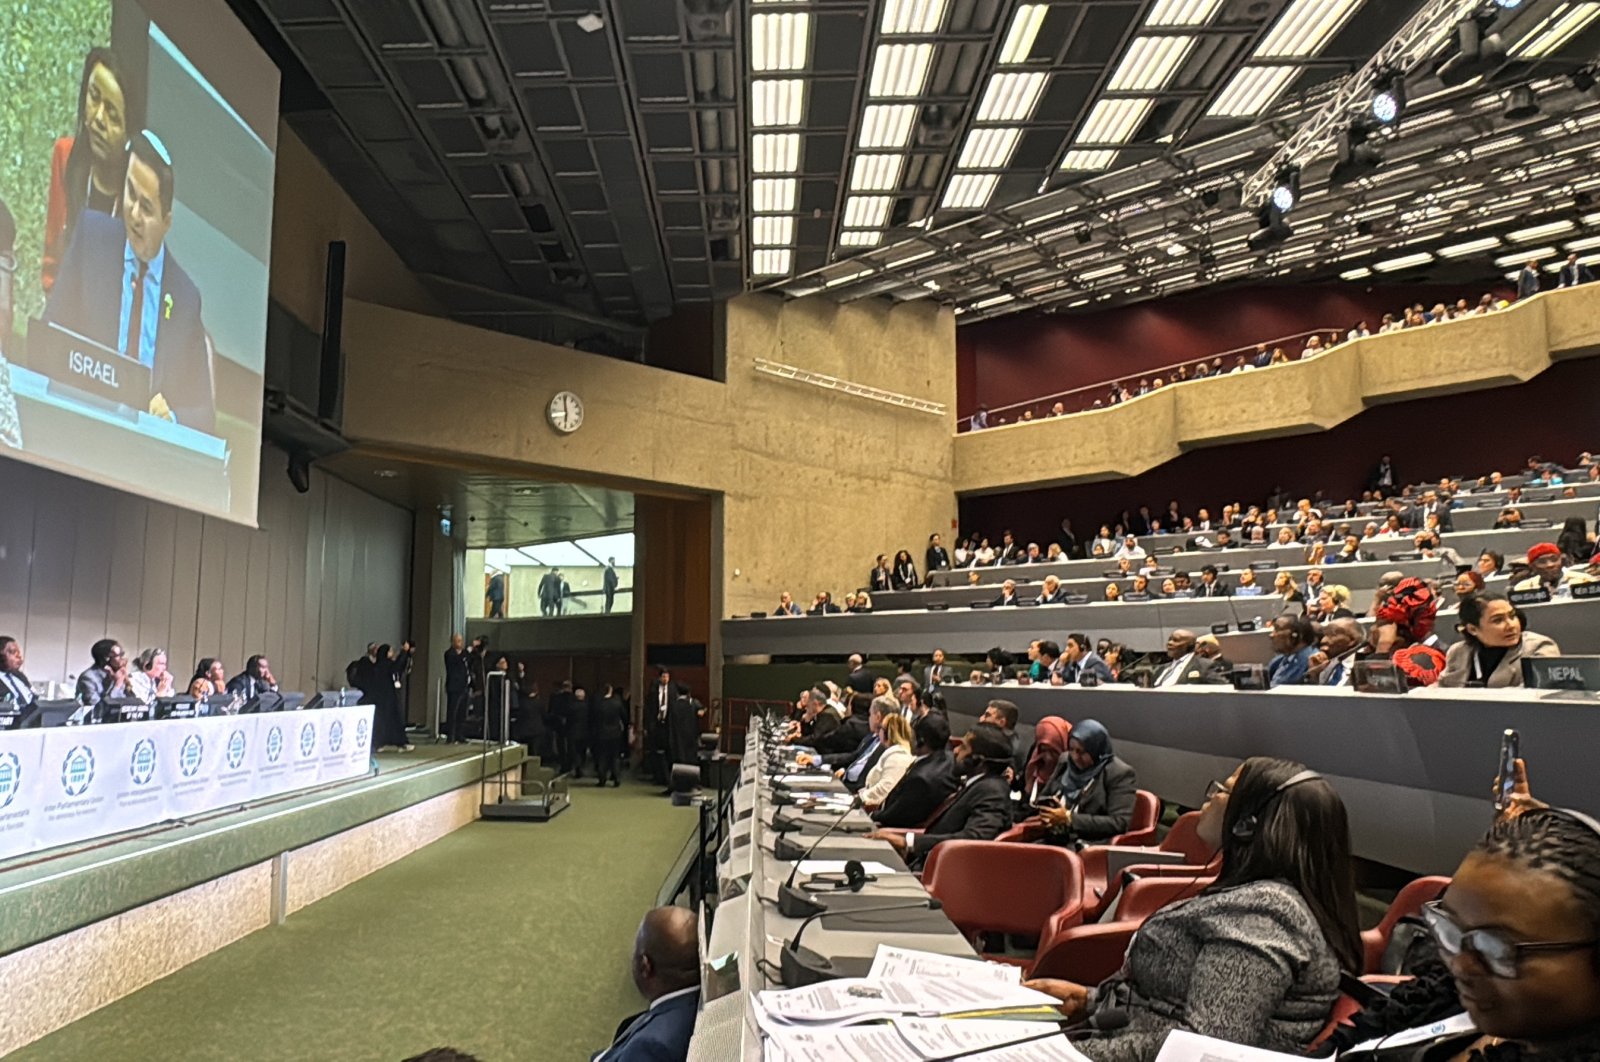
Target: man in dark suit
[[1528, 280], [119, 285], [560, 717], [1051, 593], [823, 606], [1003, 714], [455, 688], [580, 724], [859, 679], [255, 679], [937, 559], [1007, 595], [611, 724], [666, 970], [851, 730], [678, 717], [980, 809], [1431, 505], [935, 672], [1211, 585], [1574, 273], [610, 582], [852, 766], [927, 782], [1010, 552], [1080, 661], [13, 683]]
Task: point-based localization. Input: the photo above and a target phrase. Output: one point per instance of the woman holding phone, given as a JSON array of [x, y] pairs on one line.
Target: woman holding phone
[[1090, 797]]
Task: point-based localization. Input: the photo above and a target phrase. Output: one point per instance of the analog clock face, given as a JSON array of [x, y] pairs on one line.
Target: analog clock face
[[565, 412]]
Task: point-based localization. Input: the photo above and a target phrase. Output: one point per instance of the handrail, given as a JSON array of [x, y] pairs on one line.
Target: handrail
[[1088, 394]]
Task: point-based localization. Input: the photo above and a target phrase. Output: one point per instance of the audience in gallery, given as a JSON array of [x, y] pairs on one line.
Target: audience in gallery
[[1098, 396]]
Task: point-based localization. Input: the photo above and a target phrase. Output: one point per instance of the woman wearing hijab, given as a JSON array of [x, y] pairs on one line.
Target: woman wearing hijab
[[1049, 745], [1090, 798]]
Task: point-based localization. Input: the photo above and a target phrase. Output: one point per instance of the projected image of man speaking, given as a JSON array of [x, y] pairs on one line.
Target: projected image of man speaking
[[120, 286]]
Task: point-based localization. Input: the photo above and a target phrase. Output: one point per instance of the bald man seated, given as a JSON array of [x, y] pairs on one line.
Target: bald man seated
[[666, 970]]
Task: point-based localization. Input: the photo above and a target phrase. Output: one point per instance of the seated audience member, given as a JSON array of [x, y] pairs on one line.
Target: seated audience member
[[107, 675], [929, 779], [1207, 647], [1211, 585], [1508, 517], [1050, 736], [1004, 714], [851, 767], [1337, 649], [1007, 595], [1317, 553], [1031, 555], [1182, 584], [666, 971], [1010, 549], [853, 725], [1248, 586], [1113, 592], [1515, 934], [1079, 661], [1545, 559], [1291, 642], [937, 559], [1493, 644], [904, 575], [891, 766], [981, 811], [882, 576], [1051, 593], [1054, 554], [1285, 586], [823, 605], [1573, 541], [256, 678], [210, 678], [152, 680], [862, 604], [1184, 666], [850, 602], [1314, 583], [1404, 634], [1130, 549], [985, 556], [1468, 583], [1091, 796], [1141, 585], [786, 605], [13, 683], [1332, 603], [1256, 958]]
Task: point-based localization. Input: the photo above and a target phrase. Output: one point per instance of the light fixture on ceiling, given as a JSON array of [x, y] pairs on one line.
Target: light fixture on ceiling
[[1389, 97], [1286, 192], [1479, 50], [1084, 234], [1274, 229], [1586, 79], [1358, 156], [1521, 103], [591, 23]]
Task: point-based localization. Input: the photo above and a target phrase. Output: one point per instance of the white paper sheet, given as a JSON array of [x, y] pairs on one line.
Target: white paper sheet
[[1183, 1046], [893, 962]]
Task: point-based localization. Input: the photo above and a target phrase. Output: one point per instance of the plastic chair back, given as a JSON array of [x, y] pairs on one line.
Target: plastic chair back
[[1142, 826], [992, 887]]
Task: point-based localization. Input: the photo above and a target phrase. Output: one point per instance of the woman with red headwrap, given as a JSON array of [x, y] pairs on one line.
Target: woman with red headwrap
[[1049, 745], [1404, 631]]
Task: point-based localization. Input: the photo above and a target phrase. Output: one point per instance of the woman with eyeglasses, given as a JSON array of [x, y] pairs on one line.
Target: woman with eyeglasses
[[1518, 977], [1255, 958]]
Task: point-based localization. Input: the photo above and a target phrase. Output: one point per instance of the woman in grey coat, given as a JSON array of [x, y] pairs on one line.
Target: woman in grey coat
[[1256, 957]]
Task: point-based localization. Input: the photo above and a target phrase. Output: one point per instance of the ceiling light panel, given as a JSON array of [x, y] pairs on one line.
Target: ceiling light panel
[[1360, 273], [1304, 28], [772, 195], [771, 262], [860, 239], [1522, 257], [1149, 63], [887, 125], [772, 230], [775, 152], [876, 173], [866, 211], [912, 16], [1251, 91], [1540, 232], [777, 103], [969, 191], [1471, 247], [1182, 12], [1018, 46], [1078, 159], [988, 148], [899, 69], [779, 40], [1102, 272], [1010, 97], [1113, 121], [1564, 23]]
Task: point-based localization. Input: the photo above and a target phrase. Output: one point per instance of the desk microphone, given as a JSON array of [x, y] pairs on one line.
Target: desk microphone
[[802, 966], [791, 903]]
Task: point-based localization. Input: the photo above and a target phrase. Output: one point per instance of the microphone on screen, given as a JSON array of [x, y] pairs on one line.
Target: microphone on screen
[[802, 966], [792, 903]]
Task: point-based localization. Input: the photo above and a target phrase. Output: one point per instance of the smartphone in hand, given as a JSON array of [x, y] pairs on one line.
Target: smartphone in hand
[[1506, 781]]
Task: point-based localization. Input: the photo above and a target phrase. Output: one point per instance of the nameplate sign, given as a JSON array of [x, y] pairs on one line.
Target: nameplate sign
[[1562, 672], [1581, 591], [80, 362], [1537, 596]]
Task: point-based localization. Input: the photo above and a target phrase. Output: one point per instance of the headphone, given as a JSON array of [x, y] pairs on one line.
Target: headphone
[[1244, 831]]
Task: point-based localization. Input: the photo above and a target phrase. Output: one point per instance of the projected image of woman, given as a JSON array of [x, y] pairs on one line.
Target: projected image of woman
[[87, 168]]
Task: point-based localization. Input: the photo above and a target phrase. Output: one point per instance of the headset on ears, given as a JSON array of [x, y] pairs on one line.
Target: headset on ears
[[1244, 831]]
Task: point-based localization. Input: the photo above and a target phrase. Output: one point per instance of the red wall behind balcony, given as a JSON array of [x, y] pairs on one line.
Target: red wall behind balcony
[[1555, 415], [1028, 356]]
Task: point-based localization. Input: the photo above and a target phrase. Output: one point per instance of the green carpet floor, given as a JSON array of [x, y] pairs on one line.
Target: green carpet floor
[[506, 940]]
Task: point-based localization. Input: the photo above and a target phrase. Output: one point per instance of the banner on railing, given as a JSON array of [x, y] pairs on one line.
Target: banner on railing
[[66, 784]]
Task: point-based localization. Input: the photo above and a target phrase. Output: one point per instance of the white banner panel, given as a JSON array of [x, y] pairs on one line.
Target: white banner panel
[[66, 784]]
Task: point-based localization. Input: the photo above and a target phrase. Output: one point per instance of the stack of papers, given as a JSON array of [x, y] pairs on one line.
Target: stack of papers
[[894, 1014]]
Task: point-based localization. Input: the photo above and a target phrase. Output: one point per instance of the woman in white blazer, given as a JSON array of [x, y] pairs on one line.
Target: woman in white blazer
[[1494, 643], [895, 733]]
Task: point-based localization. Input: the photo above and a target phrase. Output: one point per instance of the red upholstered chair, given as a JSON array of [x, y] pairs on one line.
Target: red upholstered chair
[[1087, 954], [1408, 903], [1020, 890], [1099, 892], [1142, 827], [1144, 896]]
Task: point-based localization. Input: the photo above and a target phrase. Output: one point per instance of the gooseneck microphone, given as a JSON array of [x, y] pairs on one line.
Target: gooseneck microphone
[[791, 902], [802, 966]]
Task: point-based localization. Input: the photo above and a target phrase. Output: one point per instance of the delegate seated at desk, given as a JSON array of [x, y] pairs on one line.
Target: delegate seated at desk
[[13, 683], [120, 286], [108, 675]]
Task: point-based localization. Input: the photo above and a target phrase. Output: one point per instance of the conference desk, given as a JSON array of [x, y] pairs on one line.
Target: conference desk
[[1509, 542], [1415, 770], [748, 933]]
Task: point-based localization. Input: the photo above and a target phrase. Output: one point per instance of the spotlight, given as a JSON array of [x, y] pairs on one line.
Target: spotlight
[[1287, 190], [1584, 80], [1478, 51], [1274, 229], [1389, 101], [300, 471], [1508, 4], [1084, 234], [1358, 156], [1520, 103]]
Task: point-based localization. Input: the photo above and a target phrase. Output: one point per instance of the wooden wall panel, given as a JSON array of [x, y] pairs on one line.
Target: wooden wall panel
[[326, 572]]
